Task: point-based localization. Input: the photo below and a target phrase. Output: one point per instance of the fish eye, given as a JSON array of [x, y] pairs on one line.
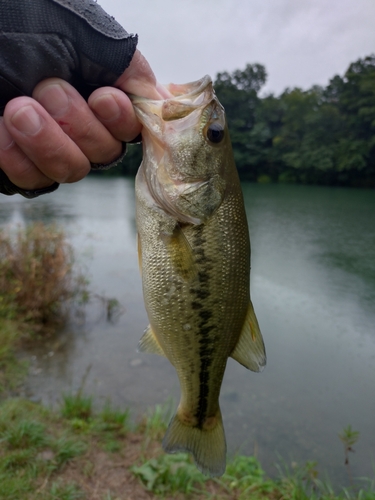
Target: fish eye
[[215, 133]]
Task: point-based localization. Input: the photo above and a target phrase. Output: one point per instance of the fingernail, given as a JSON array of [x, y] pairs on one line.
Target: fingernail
[[54, 99], [27, 120], [6, 140], [106, 107]]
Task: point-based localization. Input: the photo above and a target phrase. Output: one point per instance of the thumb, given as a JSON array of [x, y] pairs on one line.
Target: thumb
[[140, 80]]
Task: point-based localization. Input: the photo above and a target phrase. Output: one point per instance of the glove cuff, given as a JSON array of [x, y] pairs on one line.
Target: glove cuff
[[107, 166], [7, 187]]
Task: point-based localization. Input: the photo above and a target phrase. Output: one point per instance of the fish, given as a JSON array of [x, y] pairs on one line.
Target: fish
[[194, 257]]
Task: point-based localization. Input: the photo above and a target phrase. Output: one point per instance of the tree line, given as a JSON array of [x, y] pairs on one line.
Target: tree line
[[324, 135]]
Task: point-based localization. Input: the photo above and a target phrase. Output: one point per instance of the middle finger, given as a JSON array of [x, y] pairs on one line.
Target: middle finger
[[72, 113]]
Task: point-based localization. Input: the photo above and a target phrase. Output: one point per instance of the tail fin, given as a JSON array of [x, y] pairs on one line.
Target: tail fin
[[207, 446]]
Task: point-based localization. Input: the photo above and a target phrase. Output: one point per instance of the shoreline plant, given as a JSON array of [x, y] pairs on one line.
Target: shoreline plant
[[39, 284], [38, 281], [75, 452]]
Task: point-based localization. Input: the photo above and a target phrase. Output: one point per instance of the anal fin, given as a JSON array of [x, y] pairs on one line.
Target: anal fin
[[250, 351], [149, 343]]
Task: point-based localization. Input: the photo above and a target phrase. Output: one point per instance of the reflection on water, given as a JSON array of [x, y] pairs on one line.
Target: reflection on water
[[19, 210], [313, 287]]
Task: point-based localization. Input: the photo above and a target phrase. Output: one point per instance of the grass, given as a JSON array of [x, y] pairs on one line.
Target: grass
[[12, 371], [72, 453], [76, 407], [34, 448]]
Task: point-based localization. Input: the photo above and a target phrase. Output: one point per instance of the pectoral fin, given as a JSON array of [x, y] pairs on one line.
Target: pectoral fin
[[250, 351], [149, 343], [180, 252]]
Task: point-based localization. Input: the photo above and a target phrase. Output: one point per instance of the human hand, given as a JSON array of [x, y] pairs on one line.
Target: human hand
[[55, 135]]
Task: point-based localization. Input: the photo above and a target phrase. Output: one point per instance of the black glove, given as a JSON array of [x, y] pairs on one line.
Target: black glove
[[70, 39]]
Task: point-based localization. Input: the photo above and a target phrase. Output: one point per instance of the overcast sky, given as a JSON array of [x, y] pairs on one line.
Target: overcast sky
[[300, 42]]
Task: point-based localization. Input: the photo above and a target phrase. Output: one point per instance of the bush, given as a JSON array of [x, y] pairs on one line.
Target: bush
[[37, 281]]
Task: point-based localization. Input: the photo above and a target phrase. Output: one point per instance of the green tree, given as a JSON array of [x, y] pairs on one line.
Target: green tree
[[238, 93], [320, 135], [354, 96], [325, 135]]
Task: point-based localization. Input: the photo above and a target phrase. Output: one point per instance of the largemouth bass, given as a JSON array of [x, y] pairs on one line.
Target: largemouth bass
[[194, 253]]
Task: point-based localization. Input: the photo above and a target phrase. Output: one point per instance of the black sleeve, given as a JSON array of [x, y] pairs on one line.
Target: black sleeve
[[70, 39]]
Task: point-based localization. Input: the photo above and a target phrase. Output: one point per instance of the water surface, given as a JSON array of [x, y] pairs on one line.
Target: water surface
[[313, 288]]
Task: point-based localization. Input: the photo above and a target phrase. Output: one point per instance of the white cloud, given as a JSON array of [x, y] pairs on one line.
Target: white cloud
[[300, 42]]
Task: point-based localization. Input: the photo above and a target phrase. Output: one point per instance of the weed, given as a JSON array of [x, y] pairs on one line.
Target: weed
[[24, 434], [244, 474], [76, 406], [13, 487], [8, 334], [169, 474], [348, 438], [37, 281], [302, 483], [38, 286], [79, 425], [156, 420], [88, 469], [108, 496], [66, 449], [65, 492], [111, 306], [16, 410], [17, 459], [12, 371], [112, 446], [114, 420]]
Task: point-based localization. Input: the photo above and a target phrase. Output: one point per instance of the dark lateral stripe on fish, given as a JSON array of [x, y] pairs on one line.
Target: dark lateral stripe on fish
[[201, 258], [196, 305], [205, 315], [198, 238], [205, 355], [203, 276], [200, 293], [205, 330], [204, 378]]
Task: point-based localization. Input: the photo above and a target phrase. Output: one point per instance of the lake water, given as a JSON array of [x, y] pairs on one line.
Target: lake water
[[313, 288]]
